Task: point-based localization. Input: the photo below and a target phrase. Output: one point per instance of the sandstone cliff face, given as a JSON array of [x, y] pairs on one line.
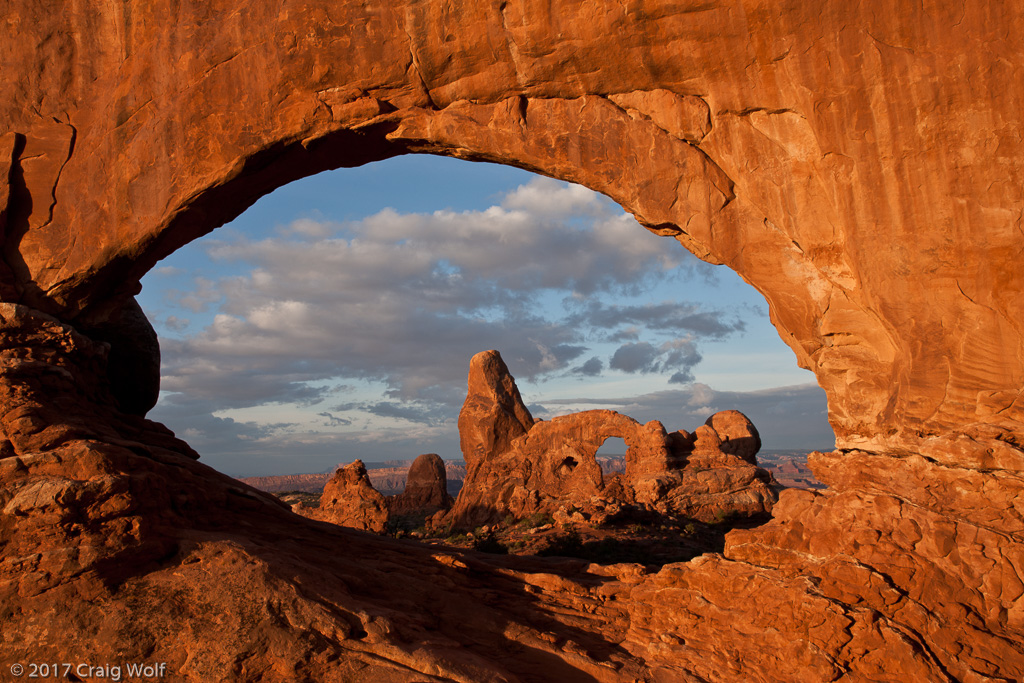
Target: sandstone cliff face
[[860, 164], [846, 160], [520, 471]]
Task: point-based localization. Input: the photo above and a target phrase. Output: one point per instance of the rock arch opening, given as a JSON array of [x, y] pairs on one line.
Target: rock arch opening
[[285, 322]]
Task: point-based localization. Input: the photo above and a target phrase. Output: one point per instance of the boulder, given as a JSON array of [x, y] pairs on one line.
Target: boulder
[[737, 435], [349, 499], [426, 488]]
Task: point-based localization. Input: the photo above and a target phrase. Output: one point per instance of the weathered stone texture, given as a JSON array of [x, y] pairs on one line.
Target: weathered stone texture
[[846, 161], [860, 163], [493, 414], [520, 470], [349, 499], [426, 488]]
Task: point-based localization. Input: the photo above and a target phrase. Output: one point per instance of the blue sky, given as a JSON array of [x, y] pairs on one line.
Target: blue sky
[[335, 319]]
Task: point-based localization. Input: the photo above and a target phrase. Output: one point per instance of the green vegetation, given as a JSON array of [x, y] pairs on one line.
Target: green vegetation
[[535, 520], [569, 544]]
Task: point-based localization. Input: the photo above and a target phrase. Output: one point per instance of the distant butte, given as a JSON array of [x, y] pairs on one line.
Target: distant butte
[[861, 164]]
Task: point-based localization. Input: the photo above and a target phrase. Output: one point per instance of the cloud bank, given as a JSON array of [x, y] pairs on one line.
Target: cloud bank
[[335, 337]]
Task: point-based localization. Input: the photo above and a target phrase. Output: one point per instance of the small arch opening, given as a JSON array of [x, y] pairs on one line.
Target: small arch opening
[[611, 456], [566, 467]]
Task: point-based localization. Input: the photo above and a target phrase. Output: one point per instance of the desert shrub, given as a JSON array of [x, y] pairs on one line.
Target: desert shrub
[[537, 519], [437, 531], [568, 544], [725, 516], [489, 543]]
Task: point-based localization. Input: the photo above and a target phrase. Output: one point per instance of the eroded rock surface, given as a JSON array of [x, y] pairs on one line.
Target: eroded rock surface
[[860, 164], [426, 488], [849, 179], [493, 414], [349, 499], [548, 464]]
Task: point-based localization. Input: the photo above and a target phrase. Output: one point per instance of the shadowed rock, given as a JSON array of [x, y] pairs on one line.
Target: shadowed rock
[[426, 488], [858, 163], [737, 434]]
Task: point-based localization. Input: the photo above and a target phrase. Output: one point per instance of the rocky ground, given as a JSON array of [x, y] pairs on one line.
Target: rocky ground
[[652, 542], [629, 535], [632, 535]]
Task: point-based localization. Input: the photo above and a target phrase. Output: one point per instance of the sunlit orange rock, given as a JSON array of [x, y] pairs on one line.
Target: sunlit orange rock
[[349, 499], [859, 163], [527, 466], [493, 414]]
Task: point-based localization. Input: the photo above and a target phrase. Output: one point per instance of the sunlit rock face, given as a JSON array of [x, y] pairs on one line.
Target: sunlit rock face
[[860, 164], [845, 161], [522, 470], [350, 500]]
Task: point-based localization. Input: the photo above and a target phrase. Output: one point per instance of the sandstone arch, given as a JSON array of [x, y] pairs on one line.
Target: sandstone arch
[[525, 466], [260, 94], [522, 467], [858, 163]]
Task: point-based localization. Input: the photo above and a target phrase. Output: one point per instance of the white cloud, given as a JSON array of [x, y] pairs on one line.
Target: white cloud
[[553, 198], [404, 300], [198, 299], [408, 298]]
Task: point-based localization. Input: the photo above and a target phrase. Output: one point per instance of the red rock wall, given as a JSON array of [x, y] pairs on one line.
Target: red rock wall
[[860, 164]]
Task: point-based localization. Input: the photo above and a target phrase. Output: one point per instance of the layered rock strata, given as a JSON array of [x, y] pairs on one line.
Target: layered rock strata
[[860, 164], [524, 466]]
